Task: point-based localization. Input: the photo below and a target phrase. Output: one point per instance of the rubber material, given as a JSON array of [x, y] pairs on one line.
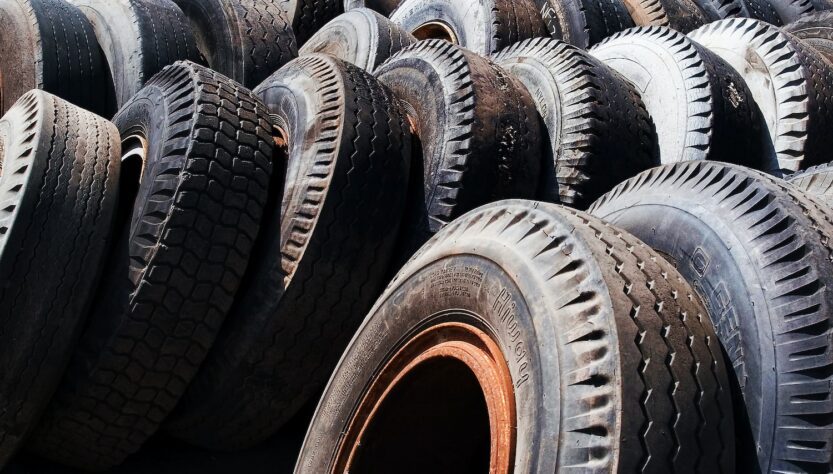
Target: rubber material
[[584, 23], [816, 180], [681, 15], [179, 261], [816, 29], [759, 253], [308, 16], [599, 131], [383, 7], [613, 359]]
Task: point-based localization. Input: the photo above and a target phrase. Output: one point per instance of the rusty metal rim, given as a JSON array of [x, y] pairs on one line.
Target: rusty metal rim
[[436, 30], [456, 341]]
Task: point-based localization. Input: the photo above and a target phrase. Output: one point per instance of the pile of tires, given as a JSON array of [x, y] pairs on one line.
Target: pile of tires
[[484, 235]]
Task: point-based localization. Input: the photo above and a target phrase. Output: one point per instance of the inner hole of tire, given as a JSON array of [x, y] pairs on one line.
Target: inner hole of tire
[[435, 30], [434, 420], [134, 154]]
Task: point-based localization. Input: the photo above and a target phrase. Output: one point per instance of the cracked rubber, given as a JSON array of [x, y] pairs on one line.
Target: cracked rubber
[[816, 29], [50, 45], [580, 309], [584, 23], [361, 37], [791, 83], [480, 135], [759, 253], [322, 258], [482, 26], [599, 131], [701, 107], [308, 16], [180, 257], [139, 38], [58, 192], [816, 180], [246, 40]]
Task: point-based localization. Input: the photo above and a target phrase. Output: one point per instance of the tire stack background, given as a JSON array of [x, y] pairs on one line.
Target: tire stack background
[[201, 201]]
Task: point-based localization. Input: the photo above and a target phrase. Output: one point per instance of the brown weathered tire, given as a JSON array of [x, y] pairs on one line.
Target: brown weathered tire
[[522, 322], [482, 26], [584, 23], [478, 128], [816, 29], [321, 259], [58, 193], [599, 131], [50, 45], [681, 15], [201, 146], [361, 37]]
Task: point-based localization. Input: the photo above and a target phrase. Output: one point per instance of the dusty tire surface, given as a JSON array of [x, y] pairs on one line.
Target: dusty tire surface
[[246, 40], [482, 26], [584, 23], [384, 7], [322, 258], [701, 107], [599, 131], [479, 132], [815, 29], [764, 11], [603, 340], [308, 16], [50, 45], [361, 37], [179, 259], [816, 180], [791, 83], [59, 192], [758, 252], [139, 38], [681, 15]]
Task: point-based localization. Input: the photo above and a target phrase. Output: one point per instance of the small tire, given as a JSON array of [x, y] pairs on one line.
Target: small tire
[[246, 40], [201, 146], [817, 181], [816, 29], [139, 38], [584, 23], [758, 252], [361, 37], [478, 129], [308, 16], [597, 344], [791, 83], [482, 26], [321, 260], [58, 192], [599, 131], [701, 107], [50, 45]]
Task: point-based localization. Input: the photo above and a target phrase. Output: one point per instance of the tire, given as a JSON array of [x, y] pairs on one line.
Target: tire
[[50, 45], [479, 133], [482, 26], [599, 131], [604, 350], [383, 7], [701, 107], [816, 29], [139, 38], [681, 15], [58, 191], [584, 23], [361, 37], [817, 181], [789, 11], [322, 258], [308, 16], [246, 40], [179, 260], [789, 81], [757, 251], [764, 11]]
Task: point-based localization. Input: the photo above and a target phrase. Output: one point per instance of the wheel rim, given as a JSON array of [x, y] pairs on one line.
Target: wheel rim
[[436, 30], [450, 348]]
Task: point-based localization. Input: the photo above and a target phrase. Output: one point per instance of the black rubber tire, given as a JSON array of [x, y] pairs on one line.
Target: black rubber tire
[[246, 40], [791, 83], [482, 26], [181, 254], [59, 193], [701, 107], [599, 131], [384, 7], [50, 45], [816, 180], [789, 11], [611, 356], [308, 16], [321, 261], [584, 23], [479, 132], [763, 10], [361, 37], [139, 38], [816, 29], [758, 252], [681, 15]]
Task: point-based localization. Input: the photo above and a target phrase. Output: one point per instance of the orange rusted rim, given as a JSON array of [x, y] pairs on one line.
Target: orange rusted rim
[[457, 343], [436, 30]]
